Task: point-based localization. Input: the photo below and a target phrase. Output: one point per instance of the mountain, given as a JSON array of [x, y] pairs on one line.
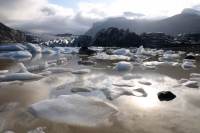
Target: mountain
[[186, 22], [10, 35]]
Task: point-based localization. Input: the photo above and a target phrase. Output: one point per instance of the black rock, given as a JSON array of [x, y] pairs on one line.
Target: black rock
[[166, 96], [86, 51], [190, 57]]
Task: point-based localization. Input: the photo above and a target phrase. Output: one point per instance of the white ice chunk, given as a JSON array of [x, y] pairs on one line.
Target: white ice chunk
[[38, 130], [12, 47], [16, 55], [191, 84], [41, 66], [103, 56], [3, 71], [122, 51], [123, 66], [186, 65], [170, 57], [48, 51], [20, 76], [142, 51], [74, 110], [195, 75], [33, 48]]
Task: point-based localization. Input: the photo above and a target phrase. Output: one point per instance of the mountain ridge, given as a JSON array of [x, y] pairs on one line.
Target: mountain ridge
[[185, 22]]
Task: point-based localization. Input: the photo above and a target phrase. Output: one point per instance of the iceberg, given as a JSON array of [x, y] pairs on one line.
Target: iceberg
[[16, 55], [191, 84], [12, 47], [187, 65], [142, 51], [170, 57], [33, 48], [122, 51], [38, 130], [48, 51], [74, 110], [123, 66], [20, 77], [195, 75], [39, 67], [66, 50], [3, 71], [103, 56]]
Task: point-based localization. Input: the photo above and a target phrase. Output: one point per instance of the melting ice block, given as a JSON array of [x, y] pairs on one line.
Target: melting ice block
[[121, 51], [33, 48], [123, 66], [16, 55], [20, 77], [74, 110]]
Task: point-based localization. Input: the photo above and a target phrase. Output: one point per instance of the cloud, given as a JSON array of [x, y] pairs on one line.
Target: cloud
[[43, 16]]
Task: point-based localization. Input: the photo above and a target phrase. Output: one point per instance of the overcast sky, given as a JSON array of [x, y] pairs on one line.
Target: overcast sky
[[76, 16]]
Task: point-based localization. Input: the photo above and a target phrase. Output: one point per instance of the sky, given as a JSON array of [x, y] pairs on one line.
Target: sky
[[77, 16]]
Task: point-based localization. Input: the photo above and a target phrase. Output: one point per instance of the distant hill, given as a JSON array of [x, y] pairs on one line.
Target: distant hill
[[10, 35], [186, 22]]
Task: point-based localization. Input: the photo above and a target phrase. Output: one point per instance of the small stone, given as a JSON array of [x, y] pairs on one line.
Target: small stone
[[166, 96]]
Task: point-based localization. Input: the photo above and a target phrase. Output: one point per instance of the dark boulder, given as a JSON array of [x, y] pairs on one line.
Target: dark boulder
[[166, 96], [86, 51], [190, 57]]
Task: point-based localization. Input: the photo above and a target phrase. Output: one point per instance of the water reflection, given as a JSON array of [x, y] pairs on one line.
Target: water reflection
[[139, 111]]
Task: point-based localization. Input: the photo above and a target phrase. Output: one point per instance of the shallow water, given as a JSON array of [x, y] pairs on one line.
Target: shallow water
[[135, 115]]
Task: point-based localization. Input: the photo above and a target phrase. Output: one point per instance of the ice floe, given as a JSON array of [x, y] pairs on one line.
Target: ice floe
[[74, 110], [48, 51], [104, 56], [123, 66], [33, 48], [170, 57], [38, 67], [3, 71], [16, 55], [142, 51], [58, 69], [12, 47], [187, 65], [66, 50], [38, 130], [20, 77], [122, 51], [191, 84]]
